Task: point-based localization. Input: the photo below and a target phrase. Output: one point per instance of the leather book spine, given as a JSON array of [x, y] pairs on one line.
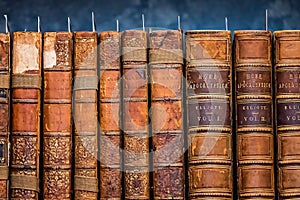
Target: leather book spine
[[135, 115], [26, 111], [4, 113], [85, 100], [166, 79], [209, 114], [287, 75], [254, 115], [109, 116], [57, 115]]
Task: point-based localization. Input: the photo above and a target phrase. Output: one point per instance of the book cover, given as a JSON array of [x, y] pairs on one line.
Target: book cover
[[5, 69], [26, 111], [85, 100], [254, 115], [109, 116], [287, 103], [57, 115], [135, 115], [209, 114], [166, 63]]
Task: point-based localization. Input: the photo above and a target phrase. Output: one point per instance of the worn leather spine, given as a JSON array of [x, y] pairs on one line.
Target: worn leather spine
[[135, 115], [57, 113], [209, 114], [109, 116], [26, 111], [254, 120], [287, 70], [166, 62], [85, 92], [4, 113]]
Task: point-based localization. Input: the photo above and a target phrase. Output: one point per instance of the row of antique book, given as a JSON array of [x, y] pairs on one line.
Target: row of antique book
[[134, 115]]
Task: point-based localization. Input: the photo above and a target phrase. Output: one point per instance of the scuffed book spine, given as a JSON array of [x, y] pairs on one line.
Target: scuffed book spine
[[287, 70], [26, 98], [4, 113], [166, 62], [57, 138], [109, 116], [85, 102], [254, 120], [135, 115], [209, 114]]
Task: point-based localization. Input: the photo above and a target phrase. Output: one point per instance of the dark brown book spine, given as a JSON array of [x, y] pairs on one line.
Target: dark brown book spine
[[135, 115], [287, 76], [109, 107], [254, 120], [4, 113], [209, 114], [85, 102], [166, 62], [26, 97], [57, 138]]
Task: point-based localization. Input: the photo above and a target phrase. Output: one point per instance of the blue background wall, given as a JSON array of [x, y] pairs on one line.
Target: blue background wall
[[195, 14]]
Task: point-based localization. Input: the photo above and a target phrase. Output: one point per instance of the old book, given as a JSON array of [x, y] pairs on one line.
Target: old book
[[85, 92], [254, 120], [57, 115], [209, 114], [26, 98], [4, 113], [166, 62], [135, 115], [109, 116], [287, 74]]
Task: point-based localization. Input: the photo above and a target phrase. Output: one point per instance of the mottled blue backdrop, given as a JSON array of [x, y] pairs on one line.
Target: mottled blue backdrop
[[195, 14]]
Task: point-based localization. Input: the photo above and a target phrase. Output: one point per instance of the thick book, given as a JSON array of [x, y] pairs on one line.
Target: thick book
[[135, 114], [85, 92], [166, 79], [4, 113], [26, 111], [209, 114], [287, 70], [57, 115], [109, 116], [254, 120]]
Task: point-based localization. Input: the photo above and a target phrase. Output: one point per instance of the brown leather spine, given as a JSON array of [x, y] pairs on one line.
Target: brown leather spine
[[26, 97], [57, 139], [85, 102], [254, 120], [287, 71], [166, 62], [209, 114], [4, 113], [135, 115], [109, 104]]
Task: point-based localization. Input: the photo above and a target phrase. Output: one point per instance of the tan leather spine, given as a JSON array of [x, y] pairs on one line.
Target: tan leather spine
[[5, 69], [85, 102], [26, 111], [209, 114], [135, 115], [166, 79], [109, 116], [287, 70], [57, 139], [254, 119]]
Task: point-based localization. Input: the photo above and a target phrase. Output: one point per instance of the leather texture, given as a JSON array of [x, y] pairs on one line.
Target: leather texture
[[166, 79], [209, 114], [57, 113], [287, 68], [109, 116], [254, 115], [26, 114]]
